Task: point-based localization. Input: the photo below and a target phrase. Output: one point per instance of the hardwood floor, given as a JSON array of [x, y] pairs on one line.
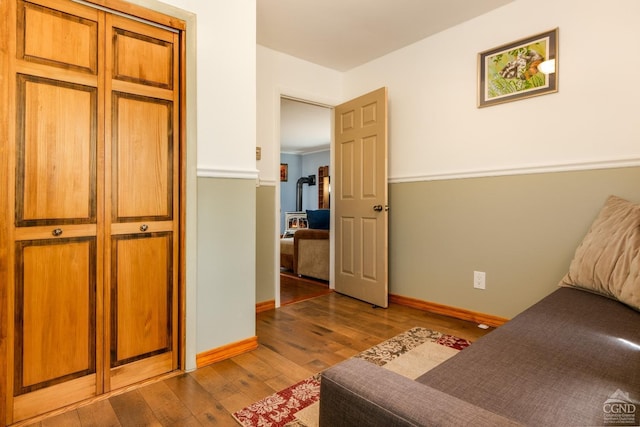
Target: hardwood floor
[[296, 341], [294, 289]]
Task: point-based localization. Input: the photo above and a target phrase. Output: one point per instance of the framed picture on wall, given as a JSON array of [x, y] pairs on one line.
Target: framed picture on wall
[[284, 172], [520, 69]]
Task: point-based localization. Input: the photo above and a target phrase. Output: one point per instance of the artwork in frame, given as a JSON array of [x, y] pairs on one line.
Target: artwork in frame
[[284, 172], [520, 69]]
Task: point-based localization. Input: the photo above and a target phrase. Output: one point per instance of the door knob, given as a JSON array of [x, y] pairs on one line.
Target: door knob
[[57, 232], [144, 227], [377, 208]]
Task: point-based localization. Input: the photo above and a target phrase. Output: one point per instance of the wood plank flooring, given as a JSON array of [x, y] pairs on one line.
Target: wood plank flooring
[[296, 341], [296, 289]]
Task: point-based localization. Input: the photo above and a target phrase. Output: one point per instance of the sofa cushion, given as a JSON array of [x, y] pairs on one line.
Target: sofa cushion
[[608, 259], [555, 364], [318, 219]]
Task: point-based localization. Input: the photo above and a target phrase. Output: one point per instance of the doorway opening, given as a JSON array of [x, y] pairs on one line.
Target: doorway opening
[[304, 196]]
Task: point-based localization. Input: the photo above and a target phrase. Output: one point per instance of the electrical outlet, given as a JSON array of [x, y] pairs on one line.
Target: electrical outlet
[[479, 278]]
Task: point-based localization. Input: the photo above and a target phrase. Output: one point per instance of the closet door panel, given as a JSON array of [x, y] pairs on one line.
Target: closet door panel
[[61, 38], [141, 299], [56, 152], [55, 324], [55, 305], [133, 52], [142, 308], [142, 158]]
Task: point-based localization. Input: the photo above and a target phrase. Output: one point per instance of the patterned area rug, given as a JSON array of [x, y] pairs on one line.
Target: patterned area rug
[[410, 353]]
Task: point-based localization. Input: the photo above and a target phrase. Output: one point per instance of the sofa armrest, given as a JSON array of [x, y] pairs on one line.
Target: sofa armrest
[[311, 253], [359, 393]]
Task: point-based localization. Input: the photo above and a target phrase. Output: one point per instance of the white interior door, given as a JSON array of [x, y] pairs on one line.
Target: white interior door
[[361, 203]]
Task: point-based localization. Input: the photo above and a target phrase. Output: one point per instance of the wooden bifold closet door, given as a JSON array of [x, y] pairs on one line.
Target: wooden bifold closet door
[[92, 222]]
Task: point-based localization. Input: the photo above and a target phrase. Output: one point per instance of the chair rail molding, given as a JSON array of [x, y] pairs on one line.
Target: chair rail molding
[[221, 172], [523, 170]]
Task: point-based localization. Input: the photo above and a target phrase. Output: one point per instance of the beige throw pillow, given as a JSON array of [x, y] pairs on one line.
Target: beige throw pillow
[[608, 259]]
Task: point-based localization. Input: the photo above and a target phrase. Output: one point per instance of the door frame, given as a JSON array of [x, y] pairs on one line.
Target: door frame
[[321, 102]]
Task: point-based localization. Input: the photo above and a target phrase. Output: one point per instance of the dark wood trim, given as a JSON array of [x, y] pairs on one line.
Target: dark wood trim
[[182, 207], [265, 305], [226, 351], [458, 313]]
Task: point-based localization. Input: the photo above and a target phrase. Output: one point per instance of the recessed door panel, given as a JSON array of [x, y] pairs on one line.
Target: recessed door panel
[[65, 39], [142, 158], [347, 177], [56, 308], [56, 151], [347, 255], [347, 121], [369, 248], [141, 296], [369, 114], [368, 165], [142, 59]]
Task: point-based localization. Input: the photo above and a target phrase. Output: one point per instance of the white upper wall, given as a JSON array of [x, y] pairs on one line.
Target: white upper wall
[[280, 74], [221, 81], [226, 79], [437, 132]]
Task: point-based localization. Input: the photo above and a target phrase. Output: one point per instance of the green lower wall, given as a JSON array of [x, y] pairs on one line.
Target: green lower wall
[[521, 230], [265, 245], [226, 254]]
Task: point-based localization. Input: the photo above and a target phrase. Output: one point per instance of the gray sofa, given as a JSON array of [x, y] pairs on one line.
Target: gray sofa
[[306, 253], [572, 359], [556, 363]]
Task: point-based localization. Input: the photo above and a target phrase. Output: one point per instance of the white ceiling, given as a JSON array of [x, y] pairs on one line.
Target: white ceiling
[[304, 128], [343, 34]]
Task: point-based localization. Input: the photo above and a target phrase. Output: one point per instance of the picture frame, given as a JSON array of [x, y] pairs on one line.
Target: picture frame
[[284, 172], [515, 70]]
